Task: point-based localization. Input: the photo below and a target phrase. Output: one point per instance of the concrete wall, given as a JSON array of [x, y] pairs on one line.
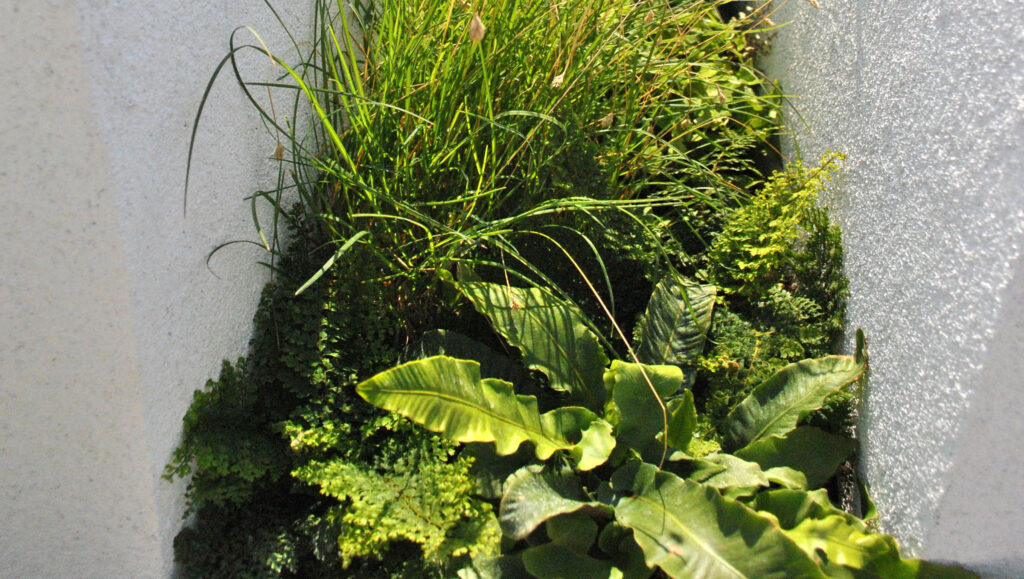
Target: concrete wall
[[927, 100], [108, 316]]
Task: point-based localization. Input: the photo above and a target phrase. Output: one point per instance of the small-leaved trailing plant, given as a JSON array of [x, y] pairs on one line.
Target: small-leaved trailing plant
[[612, 485]]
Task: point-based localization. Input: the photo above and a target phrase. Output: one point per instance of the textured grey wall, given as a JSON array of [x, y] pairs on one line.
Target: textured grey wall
[[927, 100], [109, 316]]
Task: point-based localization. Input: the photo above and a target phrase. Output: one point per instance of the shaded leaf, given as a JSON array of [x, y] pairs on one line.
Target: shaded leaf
[[576, 531], [618, 542], [493, 568], [814, 452], [689, 530], [554, 561], [550, 333], [447, 395], [535, 494], [675, 325], [456, 345], [682, 421]]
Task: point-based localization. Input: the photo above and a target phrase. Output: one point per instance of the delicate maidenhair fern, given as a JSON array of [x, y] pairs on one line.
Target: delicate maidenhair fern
[[289, 406], [420, 498]]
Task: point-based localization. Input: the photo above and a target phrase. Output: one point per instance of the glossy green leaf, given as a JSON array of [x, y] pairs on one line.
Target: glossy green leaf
[[814, 452], [792, 507], [787, 477], [550, 333], [554, 561], [738, 478], [780, 402], [690, 530], [447, 395], [632, 406], [456, 345], [675, 325], [535, 494], [842, 543], [682, 421]]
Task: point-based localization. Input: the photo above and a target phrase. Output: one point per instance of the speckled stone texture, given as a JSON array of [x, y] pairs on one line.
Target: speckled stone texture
[[927, 101], [109, 317]]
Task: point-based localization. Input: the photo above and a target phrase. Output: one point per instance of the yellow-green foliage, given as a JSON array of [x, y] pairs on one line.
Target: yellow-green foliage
[[424, 497], [779, 262], [760, 240]]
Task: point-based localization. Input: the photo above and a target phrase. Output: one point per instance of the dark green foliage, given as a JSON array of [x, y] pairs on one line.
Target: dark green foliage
[[779, 261], [289, 407]]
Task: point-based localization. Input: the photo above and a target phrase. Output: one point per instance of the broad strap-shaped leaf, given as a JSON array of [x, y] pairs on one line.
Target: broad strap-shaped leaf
[[535, 494], [550, 333], [814, 452], [843, 544], [447, 395], [675, 325], [780, 402], [810, 520], [682, 421], [738, 477], [456, 345], [632, 407], [690, 530], [577, 530], [733, 477]]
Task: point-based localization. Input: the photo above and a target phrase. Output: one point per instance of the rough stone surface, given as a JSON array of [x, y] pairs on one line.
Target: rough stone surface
[[927, 101], [109, 315]]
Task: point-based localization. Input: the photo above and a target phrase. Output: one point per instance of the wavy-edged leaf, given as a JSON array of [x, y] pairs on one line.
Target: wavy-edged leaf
[[812, 451], [738, 477], [690, 530], [682, 421], [535, 494], [840, 541], [787, 477], [550, 333], [632, 407], [448, 396], [780, 402], [791, 507], [675, 325], [833, 541]]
